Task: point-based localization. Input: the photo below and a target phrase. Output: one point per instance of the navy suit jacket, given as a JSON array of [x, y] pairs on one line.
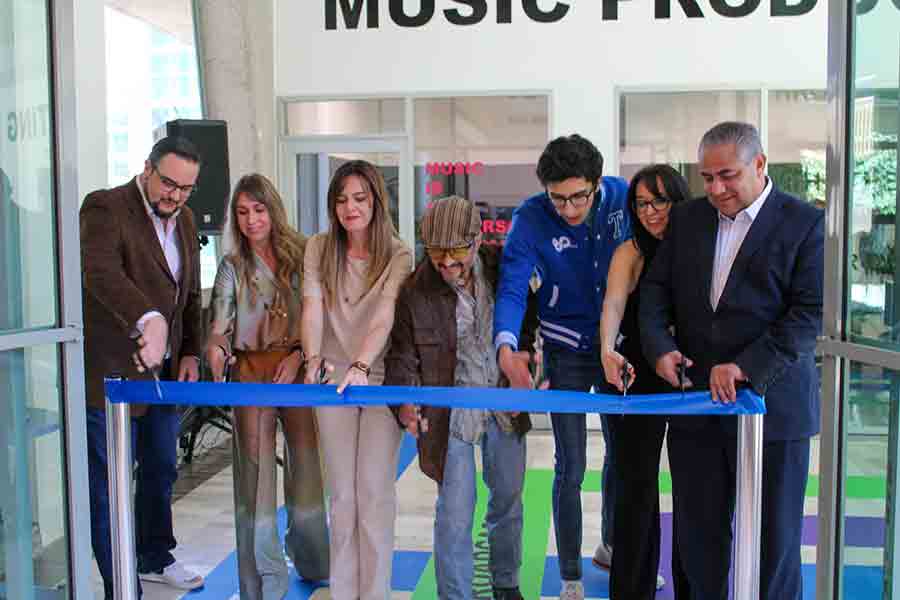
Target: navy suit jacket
[[767, 319]]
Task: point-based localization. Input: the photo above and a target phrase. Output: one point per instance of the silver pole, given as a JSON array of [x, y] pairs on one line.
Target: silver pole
[[748, 507], [118, 455]]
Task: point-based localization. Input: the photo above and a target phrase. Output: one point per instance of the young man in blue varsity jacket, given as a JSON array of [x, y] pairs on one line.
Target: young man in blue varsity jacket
[[565, 236]]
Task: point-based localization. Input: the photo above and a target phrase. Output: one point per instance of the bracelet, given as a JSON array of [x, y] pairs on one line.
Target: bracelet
[[361, 366]]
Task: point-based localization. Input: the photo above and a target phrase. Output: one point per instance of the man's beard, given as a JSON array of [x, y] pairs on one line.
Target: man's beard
[[154, 206]]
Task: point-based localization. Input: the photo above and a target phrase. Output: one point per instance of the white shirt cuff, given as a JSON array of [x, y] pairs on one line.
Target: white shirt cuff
[[143, 320], [507, 338]]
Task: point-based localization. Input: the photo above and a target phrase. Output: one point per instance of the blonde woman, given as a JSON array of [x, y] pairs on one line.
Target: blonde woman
[[256, 312], [352, 277]]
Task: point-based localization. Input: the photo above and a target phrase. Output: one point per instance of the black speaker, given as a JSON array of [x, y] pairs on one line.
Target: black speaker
[[210, 199]]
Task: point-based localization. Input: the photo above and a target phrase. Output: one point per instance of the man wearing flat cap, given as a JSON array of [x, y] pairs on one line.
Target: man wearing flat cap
[[442, 336]]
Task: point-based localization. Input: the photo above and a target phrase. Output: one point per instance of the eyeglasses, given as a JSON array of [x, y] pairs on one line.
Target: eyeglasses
[[458, 254], [658, 203], [578, 199], [170, 185]]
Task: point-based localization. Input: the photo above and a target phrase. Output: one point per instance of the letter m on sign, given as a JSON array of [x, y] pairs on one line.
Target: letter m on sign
[[352, 11]]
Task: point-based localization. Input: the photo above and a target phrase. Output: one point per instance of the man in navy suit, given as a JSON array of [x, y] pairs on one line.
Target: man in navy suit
[[740, 277]]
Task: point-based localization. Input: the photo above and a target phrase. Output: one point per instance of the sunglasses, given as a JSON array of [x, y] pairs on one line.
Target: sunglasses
[[458, 254]]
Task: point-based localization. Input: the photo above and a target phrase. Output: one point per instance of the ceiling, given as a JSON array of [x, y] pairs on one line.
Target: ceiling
[[175, 17]]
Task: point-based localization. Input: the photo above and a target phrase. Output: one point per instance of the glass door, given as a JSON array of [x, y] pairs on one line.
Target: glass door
[[859, 501], [308, 165], [44, 539]]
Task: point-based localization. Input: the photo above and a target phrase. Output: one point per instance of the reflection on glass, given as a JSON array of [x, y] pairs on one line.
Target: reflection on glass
[[874, 279], [796, 147], [34, 555], [28, 289], [482, 148], [869, 392], [345, 117], [666, 127]]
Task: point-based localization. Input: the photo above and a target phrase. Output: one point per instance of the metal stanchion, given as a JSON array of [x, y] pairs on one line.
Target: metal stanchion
[[118, 455], [748, 507]]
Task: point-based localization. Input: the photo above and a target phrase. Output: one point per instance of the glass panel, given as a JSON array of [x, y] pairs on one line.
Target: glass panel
[[796, 148], [345, 117], [152, 77], [870, 391], [34, 559], [208, 260], [314, 172], [28, 282], [666, 127], [873, 281], [482, 148]]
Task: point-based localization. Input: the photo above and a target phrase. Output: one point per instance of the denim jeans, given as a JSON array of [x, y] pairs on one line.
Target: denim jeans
[[503, 457], [578, 372], [153, 438]]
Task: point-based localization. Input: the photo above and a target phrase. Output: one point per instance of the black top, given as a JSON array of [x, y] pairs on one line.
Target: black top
[[646, 380]]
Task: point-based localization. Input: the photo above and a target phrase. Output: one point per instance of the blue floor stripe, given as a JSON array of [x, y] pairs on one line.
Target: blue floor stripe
[[222, 582]]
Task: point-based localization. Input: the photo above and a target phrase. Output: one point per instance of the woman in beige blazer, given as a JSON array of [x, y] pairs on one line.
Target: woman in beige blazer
[[352, 276]]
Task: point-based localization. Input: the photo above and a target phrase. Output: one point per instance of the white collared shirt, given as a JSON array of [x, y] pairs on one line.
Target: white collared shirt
[[730, 236], [167, 234]]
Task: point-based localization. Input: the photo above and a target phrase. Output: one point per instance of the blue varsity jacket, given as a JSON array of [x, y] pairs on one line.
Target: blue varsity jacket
[[569, 263]]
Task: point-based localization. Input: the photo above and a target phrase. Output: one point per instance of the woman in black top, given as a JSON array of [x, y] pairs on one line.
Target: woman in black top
[[635, 559]]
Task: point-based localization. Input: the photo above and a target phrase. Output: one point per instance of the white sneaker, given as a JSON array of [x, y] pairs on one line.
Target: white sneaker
[[572, 590], [660, 582], [602, 557], [176, 576]]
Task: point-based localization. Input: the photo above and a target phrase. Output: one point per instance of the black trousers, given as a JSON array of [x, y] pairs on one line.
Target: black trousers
[[703, 492], [635, 558]]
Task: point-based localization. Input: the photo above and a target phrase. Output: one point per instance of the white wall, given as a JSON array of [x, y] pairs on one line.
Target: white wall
[[581, 59]]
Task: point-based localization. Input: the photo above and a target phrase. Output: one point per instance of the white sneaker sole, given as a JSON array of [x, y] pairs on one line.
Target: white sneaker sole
[[192, 584]]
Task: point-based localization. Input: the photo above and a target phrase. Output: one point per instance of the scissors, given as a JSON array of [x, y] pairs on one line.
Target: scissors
[[154, 371], [226, 370], [322, 373], [626, 378], [681, 375]]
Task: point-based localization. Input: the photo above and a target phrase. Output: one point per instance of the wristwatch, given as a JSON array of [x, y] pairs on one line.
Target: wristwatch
[[361, 366]]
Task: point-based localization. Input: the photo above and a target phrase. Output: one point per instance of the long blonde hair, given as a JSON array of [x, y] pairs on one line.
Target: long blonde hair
[[381, 229], [287, 244]]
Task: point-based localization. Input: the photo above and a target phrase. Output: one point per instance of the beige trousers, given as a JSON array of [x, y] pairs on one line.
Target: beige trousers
[[360, 447]]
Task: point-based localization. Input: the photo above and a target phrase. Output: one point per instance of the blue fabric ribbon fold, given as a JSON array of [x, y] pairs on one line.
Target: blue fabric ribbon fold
[[258, 394]]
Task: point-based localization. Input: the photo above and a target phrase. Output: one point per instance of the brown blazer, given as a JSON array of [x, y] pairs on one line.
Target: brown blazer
[[124, 276]]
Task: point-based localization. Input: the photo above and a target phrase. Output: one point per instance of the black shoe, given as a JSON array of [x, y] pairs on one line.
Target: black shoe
[[507, 594]]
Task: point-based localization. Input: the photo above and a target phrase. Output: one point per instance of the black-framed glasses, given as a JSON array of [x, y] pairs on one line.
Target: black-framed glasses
[[170, 185], [458, 254], [658, 203], [578, 199]]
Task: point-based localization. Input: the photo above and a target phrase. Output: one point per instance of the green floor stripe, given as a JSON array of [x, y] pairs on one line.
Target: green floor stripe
[[536, 529]]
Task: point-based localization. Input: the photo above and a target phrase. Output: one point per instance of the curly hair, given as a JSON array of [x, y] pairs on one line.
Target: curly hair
[[567, 157]]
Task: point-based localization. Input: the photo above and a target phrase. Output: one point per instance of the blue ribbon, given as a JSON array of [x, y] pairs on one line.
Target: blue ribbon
[[258, 394]]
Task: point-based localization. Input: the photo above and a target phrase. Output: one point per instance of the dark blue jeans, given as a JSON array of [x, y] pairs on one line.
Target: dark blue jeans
[[579, 372], [154, 437]]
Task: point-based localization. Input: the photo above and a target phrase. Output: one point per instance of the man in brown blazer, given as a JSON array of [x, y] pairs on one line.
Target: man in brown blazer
[[141, 291]]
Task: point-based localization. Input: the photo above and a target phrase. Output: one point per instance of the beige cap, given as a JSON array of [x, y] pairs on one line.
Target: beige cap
[[451, 222]]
